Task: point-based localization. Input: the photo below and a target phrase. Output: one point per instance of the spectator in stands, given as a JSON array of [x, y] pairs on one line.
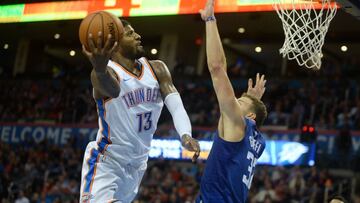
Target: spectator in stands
[[322, 103], [267, 192], [22, 198], [297, 186]]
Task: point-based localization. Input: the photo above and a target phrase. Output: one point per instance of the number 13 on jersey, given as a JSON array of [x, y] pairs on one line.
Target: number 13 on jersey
[[145, 121], [248, 179]]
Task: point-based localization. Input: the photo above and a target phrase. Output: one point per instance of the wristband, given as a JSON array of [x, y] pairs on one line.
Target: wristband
[[210, 18]]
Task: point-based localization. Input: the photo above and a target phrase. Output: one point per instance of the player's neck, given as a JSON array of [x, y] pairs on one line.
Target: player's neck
[[128, 64]]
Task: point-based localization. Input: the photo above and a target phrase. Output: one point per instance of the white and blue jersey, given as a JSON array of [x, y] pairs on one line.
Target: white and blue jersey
[[230, 167], [127, 123], [114, 164]]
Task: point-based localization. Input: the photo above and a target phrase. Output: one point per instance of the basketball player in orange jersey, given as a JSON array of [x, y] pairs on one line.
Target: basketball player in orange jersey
[[231, 163], [129, 92]]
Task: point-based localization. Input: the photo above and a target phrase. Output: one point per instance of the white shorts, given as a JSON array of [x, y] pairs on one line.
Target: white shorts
[[104, 179]]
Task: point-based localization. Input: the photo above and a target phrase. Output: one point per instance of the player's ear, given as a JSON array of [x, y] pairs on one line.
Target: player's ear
[[251, 115]]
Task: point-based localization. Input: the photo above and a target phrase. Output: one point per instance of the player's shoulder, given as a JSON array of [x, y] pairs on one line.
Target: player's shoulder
[[159, 64], [160, 68]]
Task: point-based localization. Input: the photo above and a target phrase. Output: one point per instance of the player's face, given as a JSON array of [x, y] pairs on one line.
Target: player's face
[[246, 105], [130, 44]]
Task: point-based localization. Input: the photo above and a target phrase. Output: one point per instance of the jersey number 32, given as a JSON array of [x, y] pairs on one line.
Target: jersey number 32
[[247, 179]]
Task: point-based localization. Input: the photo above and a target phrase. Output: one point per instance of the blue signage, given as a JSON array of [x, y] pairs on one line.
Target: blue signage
[[60, 135], [276, 153]]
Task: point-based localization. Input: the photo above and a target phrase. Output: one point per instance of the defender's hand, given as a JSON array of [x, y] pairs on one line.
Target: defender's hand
[[208, 10], [259, 89], [191, 144], [99, 54]]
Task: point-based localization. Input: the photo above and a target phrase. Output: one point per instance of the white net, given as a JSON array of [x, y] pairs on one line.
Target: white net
[[305, 25]]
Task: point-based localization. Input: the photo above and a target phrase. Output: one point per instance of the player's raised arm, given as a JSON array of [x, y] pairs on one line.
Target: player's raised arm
[[175, 106], [103, 78], [217, 65]]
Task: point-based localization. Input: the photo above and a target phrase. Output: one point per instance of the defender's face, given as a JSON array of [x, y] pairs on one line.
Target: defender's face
[[246, 105], [130, 44]]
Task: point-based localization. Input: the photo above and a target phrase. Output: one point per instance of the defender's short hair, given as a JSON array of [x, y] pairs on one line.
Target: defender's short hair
[[259, 109]]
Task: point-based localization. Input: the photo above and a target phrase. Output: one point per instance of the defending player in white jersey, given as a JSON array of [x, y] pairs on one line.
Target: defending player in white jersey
[[128, 90]]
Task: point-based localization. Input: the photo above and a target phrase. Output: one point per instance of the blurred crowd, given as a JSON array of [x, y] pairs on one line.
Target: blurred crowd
[[32, 175], [180, 184], [327, 103], [328, 98], [62, 100], [40, 173]]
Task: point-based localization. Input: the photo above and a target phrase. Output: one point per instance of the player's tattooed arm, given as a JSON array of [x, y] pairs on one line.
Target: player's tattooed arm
[[106, 84], [163, 75], [176, 108], [103, 78]]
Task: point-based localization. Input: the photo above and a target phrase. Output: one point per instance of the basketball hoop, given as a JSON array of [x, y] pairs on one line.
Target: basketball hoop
[[305, 24]]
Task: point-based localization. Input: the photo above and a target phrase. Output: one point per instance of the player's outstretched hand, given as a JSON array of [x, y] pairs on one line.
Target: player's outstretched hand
[[192, 145], [208, 10], [99, 54], [258, 90]]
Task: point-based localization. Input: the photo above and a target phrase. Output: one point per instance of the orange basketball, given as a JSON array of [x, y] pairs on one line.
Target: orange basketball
[[102, 21]]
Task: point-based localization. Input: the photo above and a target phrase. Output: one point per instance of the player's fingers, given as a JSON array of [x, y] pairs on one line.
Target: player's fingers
[[91, 42], [99, 40], [262, 78], [107, 45], [196, 146], [264, 83], [196, 156], [257, 78], [250, 83], [86, 52], [210, 2], [113, 47], [263, 91], [201, 11]]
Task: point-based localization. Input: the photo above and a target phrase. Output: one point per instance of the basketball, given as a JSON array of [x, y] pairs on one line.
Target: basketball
[[100, 21]]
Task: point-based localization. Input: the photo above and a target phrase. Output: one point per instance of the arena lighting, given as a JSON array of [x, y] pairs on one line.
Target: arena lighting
[[308, 134], [6, 46], [305, 128], [198, 41], [276, 153], [258, 49], [154, 51], [241, 30], [343, 48], [72, 53], [75, 9], [57, 36]]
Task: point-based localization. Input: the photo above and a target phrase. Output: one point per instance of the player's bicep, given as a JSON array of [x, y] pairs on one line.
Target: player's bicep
[[164, 77], [105, 84], [233, 129], [225, 93]]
